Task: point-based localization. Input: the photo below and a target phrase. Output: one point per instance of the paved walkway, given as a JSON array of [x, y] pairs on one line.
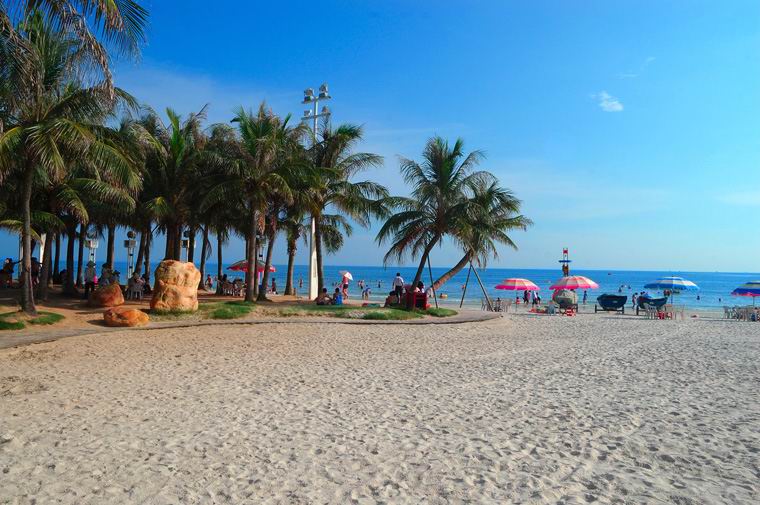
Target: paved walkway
[[25, 337]]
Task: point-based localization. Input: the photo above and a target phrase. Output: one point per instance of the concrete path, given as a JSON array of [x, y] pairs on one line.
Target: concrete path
[[35, 336]]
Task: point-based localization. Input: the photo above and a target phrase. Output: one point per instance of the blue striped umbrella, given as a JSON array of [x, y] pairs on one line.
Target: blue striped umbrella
[[672, 284], [751, 288]]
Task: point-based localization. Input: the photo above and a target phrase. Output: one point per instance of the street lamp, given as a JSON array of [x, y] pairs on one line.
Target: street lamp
[[314, 114], [130, 245], [92, 246], [185, 244]]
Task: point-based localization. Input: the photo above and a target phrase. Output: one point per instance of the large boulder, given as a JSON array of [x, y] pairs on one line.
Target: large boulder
[[125, 316], [176, 286], [107, 296]]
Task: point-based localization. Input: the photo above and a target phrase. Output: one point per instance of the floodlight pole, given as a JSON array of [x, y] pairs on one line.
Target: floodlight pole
[[310, 99]]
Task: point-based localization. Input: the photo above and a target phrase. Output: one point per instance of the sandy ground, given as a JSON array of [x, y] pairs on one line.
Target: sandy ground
[[526, 409]]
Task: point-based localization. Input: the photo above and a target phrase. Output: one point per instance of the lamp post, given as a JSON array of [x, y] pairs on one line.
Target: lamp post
[[92, 246], [130, 245], [185, 243], [314, 114]]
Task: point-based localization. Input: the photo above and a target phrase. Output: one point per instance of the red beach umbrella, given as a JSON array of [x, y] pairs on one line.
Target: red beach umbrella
[[242, 266]]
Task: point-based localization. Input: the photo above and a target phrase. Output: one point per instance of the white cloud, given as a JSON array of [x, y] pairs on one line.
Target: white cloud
[[608, 103]]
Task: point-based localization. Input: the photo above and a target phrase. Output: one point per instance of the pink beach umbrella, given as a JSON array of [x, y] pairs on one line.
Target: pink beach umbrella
[[575, 282], [515, 284]]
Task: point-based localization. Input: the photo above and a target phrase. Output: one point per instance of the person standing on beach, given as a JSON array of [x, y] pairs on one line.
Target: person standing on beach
[[526, 297], [89, 279], [585, 297], [300, 282], [398, 286]]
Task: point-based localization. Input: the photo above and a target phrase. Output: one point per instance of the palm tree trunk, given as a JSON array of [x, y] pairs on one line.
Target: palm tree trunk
[[57, 258], [265, 279], [111, 244], [318, 243], [80, 255], [219, 267], [148, 241], [177, 245], [27, 294], [424, 258], [140, 253], [169, 249], [191, 246], [454, 270], [203, 257], [68, 283], [42, 287], [250, 256], [292, 248]]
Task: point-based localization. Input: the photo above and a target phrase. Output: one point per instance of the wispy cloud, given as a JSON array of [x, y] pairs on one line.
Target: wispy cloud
[[750, 198], [607, 102], [632, 74]]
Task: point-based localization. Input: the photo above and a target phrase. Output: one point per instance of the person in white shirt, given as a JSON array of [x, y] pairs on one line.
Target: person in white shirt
[[398, 286]]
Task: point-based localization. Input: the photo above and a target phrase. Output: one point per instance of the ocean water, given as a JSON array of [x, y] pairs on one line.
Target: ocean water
[[715, 287]]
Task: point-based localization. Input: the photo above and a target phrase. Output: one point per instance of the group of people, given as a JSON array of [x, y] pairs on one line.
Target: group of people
[[531, 297], [324, 299]]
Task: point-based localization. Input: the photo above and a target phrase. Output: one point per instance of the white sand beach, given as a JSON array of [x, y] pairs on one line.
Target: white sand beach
[[599, 409]]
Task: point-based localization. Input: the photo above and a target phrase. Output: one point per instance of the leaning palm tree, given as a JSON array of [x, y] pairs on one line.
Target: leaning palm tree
[[492, 213], [336, 164], [48, 127], [440, 188]]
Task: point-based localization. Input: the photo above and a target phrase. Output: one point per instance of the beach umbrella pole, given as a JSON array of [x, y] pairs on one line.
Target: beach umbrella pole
[[488, 300], [432, 284], [466, 282]]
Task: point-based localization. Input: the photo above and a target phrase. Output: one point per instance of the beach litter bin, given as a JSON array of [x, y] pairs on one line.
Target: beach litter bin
[[416, 300]]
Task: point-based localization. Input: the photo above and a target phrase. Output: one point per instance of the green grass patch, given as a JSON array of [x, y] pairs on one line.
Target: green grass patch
[[11, 325], [441, 312], [390, 315], [368, 313], [19, 320], [229, 310], [46, 318]]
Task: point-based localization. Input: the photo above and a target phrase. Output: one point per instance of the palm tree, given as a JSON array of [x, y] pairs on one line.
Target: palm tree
[[46, 128], [172, 173], [492, 214], [336, 164], [440, 188], [254, 176], [94, 25]]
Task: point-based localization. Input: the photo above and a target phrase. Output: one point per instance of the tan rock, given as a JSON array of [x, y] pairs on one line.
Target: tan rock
[[125, 316], [107, 296], [176, 286]]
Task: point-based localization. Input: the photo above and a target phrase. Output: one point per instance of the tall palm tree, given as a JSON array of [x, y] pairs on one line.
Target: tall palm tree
[[172, 173], [254, 176], [336, 164], [492, 213], [48, 127], [440, 188], [96, 26]]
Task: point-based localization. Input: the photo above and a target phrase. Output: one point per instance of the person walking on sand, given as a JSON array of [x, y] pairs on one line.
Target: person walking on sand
[[526, 297], [398, 286], [585, 297]]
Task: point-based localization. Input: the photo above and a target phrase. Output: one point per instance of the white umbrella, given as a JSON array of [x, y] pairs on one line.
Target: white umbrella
[[346, 274]]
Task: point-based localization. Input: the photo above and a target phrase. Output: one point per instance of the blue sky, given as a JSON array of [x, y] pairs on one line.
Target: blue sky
[[630, 129]]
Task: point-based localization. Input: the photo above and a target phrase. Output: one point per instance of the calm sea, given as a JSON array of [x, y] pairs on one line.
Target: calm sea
[[715, 287]]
